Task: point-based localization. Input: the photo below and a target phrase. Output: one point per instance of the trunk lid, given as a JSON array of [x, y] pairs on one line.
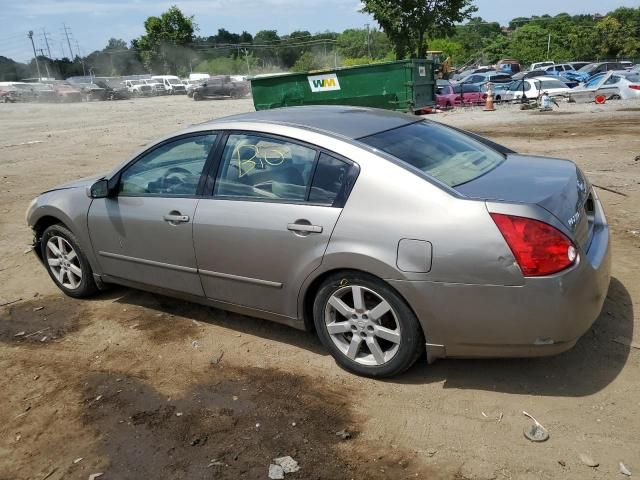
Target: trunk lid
[[558, 186]]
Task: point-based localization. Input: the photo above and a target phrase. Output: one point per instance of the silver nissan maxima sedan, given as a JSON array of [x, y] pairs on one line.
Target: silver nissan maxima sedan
[[387, 234]]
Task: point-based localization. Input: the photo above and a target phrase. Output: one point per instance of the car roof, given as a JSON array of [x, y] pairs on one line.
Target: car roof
[[350, 122]]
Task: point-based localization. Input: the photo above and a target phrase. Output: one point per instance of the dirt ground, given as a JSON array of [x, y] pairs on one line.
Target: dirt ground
[[135, 385]]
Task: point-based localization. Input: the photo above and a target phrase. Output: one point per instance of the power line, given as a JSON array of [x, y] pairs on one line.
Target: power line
[[253, 45], [46, 41], [66, 33], [10, 37]]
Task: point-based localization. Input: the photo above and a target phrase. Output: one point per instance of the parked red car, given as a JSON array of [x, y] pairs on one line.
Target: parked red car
[[455, 95]]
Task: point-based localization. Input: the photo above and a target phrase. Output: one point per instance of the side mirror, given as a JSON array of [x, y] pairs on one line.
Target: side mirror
[[99, 189]]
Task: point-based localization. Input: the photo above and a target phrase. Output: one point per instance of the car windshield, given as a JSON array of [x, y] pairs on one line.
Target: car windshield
[[136, 82], [588, 68], [439, 151], [173, 81]]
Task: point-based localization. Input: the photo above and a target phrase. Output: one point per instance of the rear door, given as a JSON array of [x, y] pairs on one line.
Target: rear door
[[267, 225], [144, 234]]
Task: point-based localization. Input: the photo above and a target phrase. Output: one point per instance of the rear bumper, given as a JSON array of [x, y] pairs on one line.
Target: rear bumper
[[544, 316]]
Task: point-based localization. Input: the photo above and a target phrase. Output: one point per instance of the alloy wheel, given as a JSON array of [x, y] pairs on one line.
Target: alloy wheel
[[63, 262], [363, 325]]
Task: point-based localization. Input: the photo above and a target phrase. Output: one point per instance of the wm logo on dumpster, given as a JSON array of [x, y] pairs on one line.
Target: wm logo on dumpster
[[323, 83]]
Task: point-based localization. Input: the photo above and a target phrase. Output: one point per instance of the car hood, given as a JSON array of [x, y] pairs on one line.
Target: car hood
[[80, 183], [558, 186]]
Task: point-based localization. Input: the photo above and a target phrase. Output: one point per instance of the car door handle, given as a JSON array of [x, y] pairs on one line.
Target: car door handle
[[176, 218], [303, 227]]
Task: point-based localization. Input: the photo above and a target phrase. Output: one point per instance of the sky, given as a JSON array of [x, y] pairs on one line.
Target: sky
[[91, 23]]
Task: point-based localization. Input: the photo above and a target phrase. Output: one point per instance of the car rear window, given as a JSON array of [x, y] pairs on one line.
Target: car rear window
[[441, 152], [552, 84]]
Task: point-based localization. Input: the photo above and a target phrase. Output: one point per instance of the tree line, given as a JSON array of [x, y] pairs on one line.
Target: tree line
[[171, 43]]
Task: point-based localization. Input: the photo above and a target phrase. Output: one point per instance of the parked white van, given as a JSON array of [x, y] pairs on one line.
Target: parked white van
[[172, 84], [541, 65]]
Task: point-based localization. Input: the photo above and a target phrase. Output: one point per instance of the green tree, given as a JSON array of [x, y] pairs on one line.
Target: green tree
[[352, 43], [451, 49], [518, 22], [291, 51], [529, 43], [495, 49], [266, 42], [162, 48], [407, 22], [12, 71], [306, 63], [616, 39]]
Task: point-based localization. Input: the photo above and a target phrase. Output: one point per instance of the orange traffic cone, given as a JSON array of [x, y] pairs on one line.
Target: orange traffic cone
[[488, 107]]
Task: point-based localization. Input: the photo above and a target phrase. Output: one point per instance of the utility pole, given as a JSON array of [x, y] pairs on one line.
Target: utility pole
[[246, 57], [66, 33], [35, 55], [46, 66], [548, 46], [46, 42], [84, 74], [368, 41]]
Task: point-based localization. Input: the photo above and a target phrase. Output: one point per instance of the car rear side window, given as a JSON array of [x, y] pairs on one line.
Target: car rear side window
[[551, 84], [265, 168], [443, 153], [328, 180], [470, 88]]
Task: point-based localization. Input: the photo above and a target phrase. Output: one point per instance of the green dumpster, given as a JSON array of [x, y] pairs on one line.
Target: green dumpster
[[405, 85]]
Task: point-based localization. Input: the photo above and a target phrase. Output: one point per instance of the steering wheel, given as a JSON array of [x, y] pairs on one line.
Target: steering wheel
[[172, 177]]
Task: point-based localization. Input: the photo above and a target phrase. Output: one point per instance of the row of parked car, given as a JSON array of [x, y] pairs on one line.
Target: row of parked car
[[577, 81], [83, 88], [197, 88], [49, 90]]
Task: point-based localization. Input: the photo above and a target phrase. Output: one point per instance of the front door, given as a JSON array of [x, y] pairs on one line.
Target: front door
[[268, 224], [144, 234]]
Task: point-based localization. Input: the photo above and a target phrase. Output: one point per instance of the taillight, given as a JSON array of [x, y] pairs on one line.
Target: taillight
[[634, 87], [539, 248]]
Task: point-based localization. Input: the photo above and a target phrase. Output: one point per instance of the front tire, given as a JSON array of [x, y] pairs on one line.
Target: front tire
[[66, 263], [366, 325]]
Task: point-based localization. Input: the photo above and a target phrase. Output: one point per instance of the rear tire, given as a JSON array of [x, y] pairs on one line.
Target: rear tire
[[66, 263], [366, 325]]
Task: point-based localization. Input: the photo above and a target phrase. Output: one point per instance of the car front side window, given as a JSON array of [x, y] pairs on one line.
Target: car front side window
[[172, 169], [264, 168]]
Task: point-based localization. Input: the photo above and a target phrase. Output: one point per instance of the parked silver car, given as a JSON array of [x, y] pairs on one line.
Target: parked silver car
[[612, 85], [386, 233]]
